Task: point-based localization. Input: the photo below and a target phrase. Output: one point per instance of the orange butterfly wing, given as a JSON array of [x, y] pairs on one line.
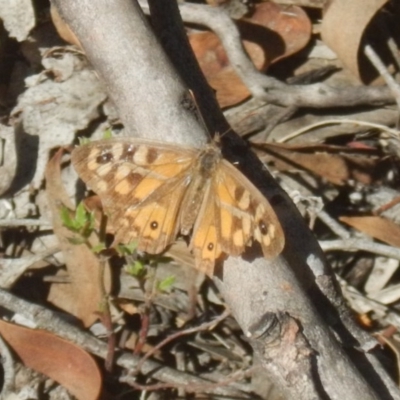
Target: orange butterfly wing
[[233, 213], [152, 191], [140, 185], [206, 238]]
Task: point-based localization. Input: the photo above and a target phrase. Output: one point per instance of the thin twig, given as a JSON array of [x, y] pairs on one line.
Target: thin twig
[[269, 89], [387, 206], [190, 387], [360, 245], [15, 222], [333, 225], [381, 68], [48, 320], [392, 132], [12, 269], [7, 361], [355, 297], [202, 327]]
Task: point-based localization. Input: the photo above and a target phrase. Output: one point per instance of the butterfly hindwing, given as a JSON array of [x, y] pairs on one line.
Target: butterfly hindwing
[[245, 214], [205, 242]]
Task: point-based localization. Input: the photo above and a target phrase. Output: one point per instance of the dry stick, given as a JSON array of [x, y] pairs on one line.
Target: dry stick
[[270, 89], [206, 326], [360, 245], [291, 185], [164, 16], [115, 35], [25, 222], [242, 308], [392, 132], [105, 312], [387, 206], [360, 302], [392, 344], [192, 388], [12, 269], [385, 313], [381, 68], [333, 225], [303, 3], [392, 45], [149, 294], [267, 88], [7, 361], [48, 320], [106, 318], [203, 327]]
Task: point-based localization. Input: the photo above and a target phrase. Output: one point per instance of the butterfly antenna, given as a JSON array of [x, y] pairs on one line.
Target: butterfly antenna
[[203, 121], [218, 135]]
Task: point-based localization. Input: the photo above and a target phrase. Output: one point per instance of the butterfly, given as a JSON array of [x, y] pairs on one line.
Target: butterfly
[[153, 191]]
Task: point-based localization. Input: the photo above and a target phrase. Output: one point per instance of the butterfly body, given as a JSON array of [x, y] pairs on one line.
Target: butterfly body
[[153, 191], [199, 177]]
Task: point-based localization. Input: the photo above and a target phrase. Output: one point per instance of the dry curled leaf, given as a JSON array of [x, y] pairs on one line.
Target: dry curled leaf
[[62, 27], [56, 358], [273, 32], [334, 163], [82, 295], [376, 227], [359, 22]]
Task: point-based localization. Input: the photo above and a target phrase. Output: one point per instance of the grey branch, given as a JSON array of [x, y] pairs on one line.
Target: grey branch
[[149, 93]]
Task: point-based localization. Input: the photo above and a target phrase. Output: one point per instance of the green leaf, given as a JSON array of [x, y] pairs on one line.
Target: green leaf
[[83, 140], [98, 248], [66, 219], [82, 222], [107, 134], [81, 216], [126, 249], [135, 269], [166, 284]]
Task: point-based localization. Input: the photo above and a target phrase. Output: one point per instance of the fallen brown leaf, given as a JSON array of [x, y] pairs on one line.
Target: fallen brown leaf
[[83, 295], [376, 227], [273, 32], [56, 358], [62, 27], [355, 20], [333, 163]]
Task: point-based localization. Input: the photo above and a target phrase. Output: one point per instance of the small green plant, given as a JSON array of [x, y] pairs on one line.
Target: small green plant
[[166, 284], [82, 222], [136, 269], [107, 134], [83, 140], [99, 248], [126, 249]]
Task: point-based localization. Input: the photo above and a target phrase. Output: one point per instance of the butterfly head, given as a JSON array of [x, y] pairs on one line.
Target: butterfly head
[[208, 159], [217, 138]]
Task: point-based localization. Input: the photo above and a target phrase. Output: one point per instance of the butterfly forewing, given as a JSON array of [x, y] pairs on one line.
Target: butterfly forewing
[[140, 186]]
